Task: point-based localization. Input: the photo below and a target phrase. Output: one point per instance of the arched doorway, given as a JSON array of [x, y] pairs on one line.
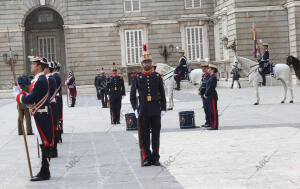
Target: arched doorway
[[44, 36]]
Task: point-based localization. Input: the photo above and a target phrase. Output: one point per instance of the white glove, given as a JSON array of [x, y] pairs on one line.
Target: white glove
[[136, 113], [17, 90], [66, 83], [162, 113]]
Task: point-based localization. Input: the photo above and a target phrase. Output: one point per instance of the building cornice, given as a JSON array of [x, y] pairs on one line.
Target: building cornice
[[194, 17], [16, 29], [83, 26], [133, 20], [291, 3], [255, 9]]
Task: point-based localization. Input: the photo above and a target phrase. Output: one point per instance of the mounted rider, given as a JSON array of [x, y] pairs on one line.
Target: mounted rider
[[264, 63], [181, 69]]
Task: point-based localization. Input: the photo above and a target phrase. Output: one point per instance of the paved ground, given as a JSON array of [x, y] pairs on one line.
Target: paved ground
[[256, 147]]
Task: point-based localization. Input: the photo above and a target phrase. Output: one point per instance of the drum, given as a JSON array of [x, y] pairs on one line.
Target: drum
[[187, 119], [131, 121]]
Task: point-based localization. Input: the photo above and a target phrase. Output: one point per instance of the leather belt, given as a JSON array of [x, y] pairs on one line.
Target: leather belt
[[45, 110]]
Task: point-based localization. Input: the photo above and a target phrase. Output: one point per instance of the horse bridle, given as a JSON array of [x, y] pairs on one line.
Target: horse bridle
[[236, 65]]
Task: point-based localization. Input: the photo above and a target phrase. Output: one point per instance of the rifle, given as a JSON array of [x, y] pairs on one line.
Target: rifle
[[140, 140], [12, 62]]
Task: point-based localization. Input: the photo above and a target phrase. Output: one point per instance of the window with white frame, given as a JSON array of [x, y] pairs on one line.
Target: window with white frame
[[134, 42], [192, 4], [195, 43], [132, 5]]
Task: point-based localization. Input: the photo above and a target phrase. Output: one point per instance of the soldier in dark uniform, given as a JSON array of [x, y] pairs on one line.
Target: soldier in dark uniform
[[39, 107], [263, 63], [235, 77], [115, 90], [53, 107], [24, 85], [96, 85], [152, 105], [71, 86], [58, 98], [201, 92], [102, 83], [181, 70], [212, 96]]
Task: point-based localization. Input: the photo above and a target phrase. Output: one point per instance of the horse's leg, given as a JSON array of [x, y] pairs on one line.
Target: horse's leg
[[285, 89], [290, 86], [171, 103], [255, 84], [170, 95]]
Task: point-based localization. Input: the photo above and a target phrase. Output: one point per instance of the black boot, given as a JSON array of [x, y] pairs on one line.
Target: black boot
[[264, 79], [73, 102], [54, 150], [44, 173], [61, 126], [147, 162], [59, 139]]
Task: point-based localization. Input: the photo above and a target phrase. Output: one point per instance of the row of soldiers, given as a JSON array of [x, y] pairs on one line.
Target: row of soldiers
[[114, 88], [45, 103]]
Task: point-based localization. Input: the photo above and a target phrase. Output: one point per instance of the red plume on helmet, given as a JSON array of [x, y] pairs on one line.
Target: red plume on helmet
[[145, 48]]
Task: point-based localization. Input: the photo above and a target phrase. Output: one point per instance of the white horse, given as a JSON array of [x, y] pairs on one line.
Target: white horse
[[282, 72], [169, 81]]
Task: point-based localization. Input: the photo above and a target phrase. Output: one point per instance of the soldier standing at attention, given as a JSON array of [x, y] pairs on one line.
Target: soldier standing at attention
[[102, 83], [201, 92], [96, 84], [115, 90], [212, 96], [235, 77], [181, 69], [58, 98], [53, 106], [152, 105], [38, 102], [71, 85]]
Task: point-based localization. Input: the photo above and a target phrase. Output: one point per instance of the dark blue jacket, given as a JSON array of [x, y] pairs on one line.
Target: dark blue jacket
[[52, 86], [204, 79], [152, 98], [266, 56], [102, 81], [181, 69], [115, 87], [211, 87], [39, 95], [72, 86], [58, 80], [59, 100]]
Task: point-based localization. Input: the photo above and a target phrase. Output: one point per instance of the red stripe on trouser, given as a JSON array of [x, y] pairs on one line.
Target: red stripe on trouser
[[46, 143], [143, 152], [178, 74], [215, 114]]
